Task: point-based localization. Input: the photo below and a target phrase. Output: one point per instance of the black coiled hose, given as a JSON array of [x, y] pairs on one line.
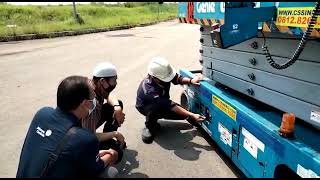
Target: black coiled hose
[[302, 43]]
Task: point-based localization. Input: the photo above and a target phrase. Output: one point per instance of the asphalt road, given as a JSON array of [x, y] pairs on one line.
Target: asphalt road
[[30, 72]]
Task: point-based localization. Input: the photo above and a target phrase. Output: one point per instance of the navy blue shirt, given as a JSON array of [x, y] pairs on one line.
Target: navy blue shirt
[[78, 158], [149, 92]]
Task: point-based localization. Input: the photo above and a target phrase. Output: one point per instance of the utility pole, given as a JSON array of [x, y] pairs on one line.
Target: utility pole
[[75, 15], [158, 12], [159, 3]]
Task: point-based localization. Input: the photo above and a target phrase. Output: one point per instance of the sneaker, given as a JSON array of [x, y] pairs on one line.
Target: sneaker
[[147, 136], [109, 172], [112, 172]]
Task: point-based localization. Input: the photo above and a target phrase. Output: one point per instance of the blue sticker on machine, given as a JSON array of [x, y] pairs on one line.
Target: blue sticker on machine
[[209, 10]]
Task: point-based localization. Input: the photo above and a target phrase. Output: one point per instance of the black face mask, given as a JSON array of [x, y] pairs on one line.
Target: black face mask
[[109, 88]]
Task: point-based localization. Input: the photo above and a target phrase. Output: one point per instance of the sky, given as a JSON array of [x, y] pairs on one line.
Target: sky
[[53, 3]]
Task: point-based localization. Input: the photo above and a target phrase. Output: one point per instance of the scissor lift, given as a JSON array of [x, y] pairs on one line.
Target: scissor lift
[[255, 71]]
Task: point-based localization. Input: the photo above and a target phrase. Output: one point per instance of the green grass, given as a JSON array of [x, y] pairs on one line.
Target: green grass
[[42, 19]]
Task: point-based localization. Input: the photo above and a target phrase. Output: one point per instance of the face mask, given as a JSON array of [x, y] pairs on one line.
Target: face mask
[[94, 102], [110, 88]]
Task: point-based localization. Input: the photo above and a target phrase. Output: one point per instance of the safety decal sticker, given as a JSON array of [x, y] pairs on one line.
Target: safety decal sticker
[[225, 135], [306, 173], [250, 147], [206, 22], [226, 108], [251, 143], [295, 17]]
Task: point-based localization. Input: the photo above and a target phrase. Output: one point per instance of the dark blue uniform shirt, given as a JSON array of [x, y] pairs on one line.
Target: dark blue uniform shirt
[[79, 157], [149, 92]]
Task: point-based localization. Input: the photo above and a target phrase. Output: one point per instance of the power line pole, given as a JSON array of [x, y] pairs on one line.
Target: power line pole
[[158, 12], [75, 15], [74, 10], [159, 3]]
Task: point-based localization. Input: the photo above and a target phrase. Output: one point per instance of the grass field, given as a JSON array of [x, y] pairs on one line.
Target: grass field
[[42, 19]]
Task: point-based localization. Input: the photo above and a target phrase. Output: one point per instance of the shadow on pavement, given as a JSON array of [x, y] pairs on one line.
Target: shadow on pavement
[[170, 137], [128, 163]]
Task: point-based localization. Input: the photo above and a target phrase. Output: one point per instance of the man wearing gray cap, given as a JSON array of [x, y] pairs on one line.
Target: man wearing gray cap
[[109, 109]]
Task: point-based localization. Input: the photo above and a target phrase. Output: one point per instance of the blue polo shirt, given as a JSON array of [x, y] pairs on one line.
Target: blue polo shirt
[[149, 92], [78, 158]]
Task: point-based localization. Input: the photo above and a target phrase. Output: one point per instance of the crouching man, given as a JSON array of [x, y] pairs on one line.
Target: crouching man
[[153, 99]]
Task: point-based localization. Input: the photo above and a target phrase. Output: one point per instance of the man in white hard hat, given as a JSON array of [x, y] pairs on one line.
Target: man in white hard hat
[[153, 99], [110, 112]]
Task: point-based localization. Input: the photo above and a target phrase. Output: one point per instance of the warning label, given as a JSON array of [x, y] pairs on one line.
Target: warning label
[[296, 17], [226, 108]]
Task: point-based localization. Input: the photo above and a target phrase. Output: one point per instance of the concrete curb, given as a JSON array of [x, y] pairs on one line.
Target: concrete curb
[[74, 33]]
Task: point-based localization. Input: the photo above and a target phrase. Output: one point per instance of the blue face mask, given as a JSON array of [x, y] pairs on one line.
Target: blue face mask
[[94, 102]]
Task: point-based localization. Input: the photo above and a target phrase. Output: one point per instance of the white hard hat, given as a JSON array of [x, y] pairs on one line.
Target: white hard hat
[[161, 69], [105, 69]]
